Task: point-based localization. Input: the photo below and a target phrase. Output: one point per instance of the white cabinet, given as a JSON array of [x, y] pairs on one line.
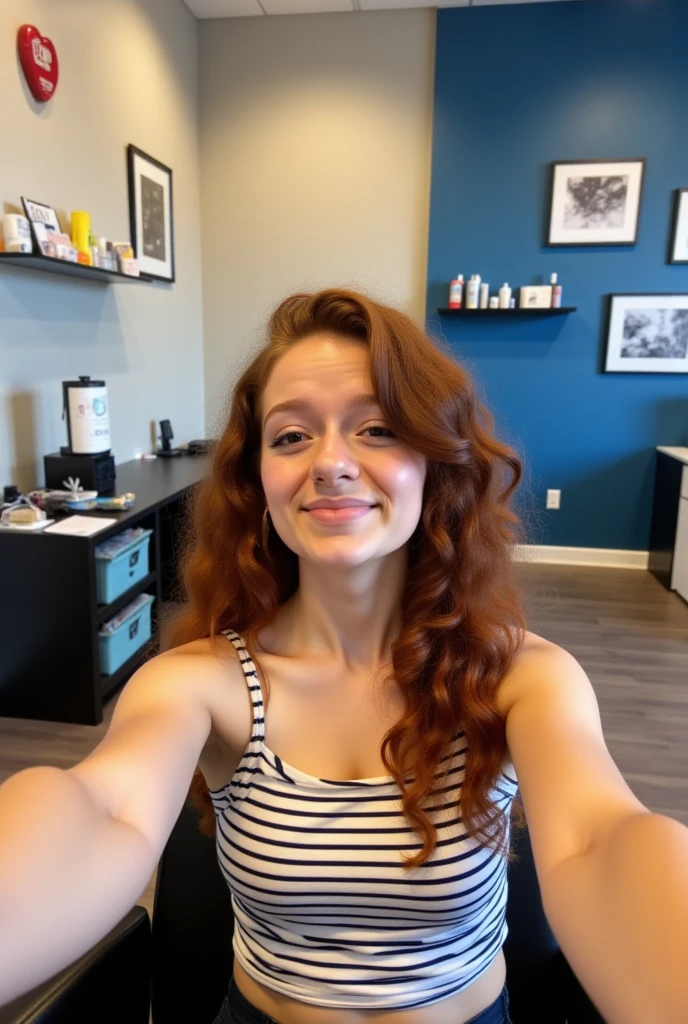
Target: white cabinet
[[679, 572], [668, 551]]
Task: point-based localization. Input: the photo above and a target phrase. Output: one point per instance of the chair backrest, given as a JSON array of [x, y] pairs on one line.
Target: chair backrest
[[193, 923]]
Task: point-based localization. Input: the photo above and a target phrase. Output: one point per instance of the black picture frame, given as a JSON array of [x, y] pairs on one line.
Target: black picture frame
[[39, 225], [151, 214], [680, 217], [648, 356], [557, 235]]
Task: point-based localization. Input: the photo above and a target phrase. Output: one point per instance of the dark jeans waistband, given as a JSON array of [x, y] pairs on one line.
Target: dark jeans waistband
[[236, 1009]]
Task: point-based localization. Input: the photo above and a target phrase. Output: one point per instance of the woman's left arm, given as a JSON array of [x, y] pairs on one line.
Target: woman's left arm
[[613, 876]]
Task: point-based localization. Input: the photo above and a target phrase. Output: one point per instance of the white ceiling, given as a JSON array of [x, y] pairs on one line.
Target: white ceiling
[[250, 8]]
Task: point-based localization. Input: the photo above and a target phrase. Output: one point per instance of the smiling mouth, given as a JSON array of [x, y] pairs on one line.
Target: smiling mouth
[[340, 515]]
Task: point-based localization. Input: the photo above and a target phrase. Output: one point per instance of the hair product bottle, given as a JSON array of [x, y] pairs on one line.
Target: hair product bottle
[[556, 292], [456, 292], [473, 292], [504, 296], [81, 233], [484, 294]]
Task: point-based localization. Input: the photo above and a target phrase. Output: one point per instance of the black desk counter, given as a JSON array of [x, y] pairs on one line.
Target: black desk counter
[[49, 615], [155, 483]]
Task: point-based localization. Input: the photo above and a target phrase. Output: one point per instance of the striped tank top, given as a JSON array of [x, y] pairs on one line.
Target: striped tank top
[[324, 911]]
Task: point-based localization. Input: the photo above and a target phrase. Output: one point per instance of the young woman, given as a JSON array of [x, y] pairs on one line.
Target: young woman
[[354, 683]]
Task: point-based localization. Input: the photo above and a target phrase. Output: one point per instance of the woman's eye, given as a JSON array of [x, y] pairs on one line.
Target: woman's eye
[[298, 434], [277, 443], [376, 426]]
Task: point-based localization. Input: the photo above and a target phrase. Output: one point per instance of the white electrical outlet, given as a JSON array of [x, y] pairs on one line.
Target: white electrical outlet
[[553, 499]]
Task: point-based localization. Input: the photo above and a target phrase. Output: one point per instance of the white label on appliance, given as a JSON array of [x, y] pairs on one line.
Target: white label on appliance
[[89, 422]]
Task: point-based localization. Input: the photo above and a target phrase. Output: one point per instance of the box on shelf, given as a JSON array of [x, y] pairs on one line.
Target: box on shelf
[[536, 297], [121, 562], [124, 634]]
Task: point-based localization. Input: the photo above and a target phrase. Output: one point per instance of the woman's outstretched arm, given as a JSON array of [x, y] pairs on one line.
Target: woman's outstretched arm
[[613, 876], [78, 847], [620, 913]]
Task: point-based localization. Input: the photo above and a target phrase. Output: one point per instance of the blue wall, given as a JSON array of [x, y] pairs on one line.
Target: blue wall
[[517, 87]]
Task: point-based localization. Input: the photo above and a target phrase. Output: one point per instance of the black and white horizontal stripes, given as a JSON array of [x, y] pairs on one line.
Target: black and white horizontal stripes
[[324, 911]]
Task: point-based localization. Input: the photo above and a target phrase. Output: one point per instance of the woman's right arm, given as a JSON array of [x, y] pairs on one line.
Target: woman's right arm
[[78, 847]]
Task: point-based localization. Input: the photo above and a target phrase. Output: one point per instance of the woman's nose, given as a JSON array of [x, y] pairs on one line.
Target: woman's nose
[[333, 460]]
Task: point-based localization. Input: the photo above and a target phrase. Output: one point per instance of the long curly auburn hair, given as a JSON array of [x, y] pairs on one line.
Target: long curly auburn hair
[[463, 619]]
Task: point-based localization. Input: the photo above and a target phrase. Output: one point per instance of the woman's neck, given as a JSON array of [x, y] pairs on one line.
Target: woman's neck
[[350, 616]]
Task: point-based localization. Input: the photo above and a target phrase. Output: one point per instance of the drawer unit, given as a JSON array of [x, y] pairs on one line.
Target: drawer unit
[[122, 636], [120, 563]]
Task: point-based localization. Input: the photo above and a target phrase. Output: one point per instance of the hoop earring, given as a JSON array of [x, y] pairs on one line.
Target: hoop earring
[[265, 532]]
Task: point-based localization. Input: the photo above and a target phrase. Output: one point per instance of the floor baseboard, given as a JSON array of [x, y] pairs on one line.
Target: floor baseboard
[[610, 558]]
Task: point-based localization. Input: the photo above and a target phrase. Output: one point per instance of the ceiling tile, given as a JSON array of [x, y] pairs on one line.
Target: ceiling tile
[[394, 5], [486, 3], [224, 8], [248, 8], [305, 6]]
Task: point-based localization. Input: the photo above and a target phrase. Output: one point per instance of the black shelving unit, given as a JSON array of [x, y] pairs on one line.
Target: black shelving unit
[[51, 265], [49, 613], [514, 313]]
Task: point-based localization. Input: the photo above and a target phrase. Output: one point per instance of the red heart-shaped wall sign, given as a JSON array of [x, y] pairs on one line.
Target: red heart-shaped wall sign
[[38, 59]]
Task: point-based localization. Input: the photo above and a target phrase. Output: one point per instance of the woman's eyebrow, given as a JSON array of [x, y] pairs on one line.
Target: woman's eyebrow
[[302, 404]]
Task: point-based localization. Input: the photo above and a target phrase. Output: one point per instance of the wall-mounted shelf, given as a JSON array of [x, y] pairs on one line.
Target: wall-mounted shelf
[[51, 265], [477, 313]]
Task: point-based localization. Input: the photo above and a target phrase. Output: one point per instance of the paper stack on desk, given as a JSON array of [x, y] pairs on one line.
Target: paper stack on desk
[[80, 526]]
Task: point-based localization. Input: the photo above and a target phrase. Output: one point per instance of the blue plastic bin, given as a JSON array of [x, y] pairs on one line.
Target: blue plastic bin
[[132, 632], [120, 565]]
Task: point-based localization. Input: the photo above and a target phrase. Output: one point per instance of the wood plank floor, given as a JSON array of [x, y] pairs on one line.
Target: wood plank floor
[[628, 632]]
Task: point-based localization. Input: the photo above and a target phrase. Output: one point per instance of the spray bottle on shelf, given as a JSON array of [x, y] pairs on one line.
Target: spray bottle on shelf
[[456, 292], [556, 292]]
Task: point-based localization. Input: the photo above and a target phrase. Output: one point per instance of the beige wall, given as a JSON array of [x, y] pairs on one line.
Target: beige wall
[[128, 73], [315, 165]]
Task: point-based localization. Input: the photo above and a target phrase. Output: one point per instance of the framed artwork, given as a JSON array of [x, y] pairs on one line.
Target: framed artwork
[[43, 219], [595, 202], [648, 334], [150, 214], [678, 252]]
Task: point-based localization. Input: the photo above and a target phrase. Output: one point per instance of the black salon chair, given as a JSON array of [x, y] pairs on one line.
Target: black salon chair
[[187, 960]]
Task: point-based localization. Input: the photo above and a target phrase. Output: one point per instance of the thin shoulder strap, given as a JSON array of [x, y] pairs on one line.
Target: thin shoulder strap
[[258, 731]]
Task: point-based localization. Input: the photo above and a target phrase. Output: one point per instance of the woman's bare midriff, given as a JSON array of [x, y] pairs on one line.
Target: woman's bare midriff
[[456, 1009]]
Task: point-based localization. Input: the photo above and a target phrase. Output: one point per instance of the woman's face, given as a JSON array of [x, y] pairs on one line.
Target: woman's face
[[332, 442]]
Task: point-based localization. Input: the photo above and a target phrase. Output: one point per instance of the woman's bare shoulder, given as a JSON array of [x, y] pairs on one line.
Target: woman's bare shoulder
[[211, 667], [207, 646], [516, 676]]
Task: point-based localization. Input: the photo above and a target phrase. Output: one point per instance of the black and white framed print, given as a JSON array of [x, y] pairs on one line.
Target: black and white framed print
[[679, 233], [42, 219], [595, 202], [648, 334], [150, 213]]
